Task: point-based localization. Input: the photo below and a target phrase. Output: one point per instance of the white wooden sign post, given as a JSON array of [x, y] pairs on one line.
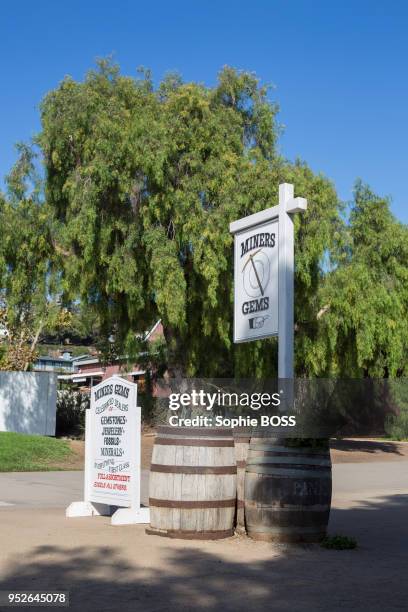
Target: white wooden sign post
[[112, 455], [263, 276]]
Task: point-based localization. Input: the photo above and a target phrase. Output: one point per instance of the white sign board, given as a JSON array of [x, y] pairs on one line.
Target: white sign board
[[114, 425], [256, 268], [112, 454]]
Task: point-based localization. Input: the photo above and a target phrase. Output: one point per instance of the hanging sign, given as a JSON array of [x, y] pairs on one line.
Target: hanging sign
[[256, 282], [264, 275]]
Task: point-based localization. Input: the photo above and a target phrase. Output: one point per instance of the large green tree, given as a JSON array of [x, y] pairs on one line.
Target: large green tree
[[143, 183], [363, 328], [29, 296]]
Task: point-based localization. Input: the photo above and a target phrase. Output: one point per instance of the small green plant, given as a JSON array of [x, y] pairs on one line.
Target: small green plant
[[339, 542]]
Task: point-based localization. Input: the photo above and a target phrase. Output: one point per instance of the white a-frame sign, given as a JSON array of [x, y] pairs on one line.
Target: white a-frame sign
[[263, 276], [112, 455]]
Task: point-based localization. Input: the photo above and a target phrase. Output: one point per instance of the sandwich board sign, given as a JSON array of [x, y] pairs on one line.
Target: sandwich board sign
[[112, 455], [263, 276]]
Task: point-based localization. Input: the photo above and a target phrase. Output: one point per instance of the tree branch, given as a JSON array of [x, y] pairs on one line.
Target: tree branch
[[323, 311]]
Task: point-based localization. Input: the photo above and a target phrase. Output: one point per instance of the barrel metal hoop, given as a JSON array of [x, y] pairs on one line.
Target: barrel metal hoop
[[278, 508], [194, 442], [292, 461], [191, 505], [191, 535], [193, 469], [287, 450], [205, 432], [292, 529], [276, 472]]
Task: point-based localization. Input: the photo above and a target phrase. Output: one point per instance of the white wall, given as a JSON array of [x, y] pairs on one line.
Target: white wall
[[28, 402]]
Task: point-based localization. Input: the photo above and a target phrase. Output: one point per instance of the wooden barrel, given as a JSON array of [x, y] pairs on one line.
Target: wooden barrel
[[192, 486], [241, 440], [287, 492]]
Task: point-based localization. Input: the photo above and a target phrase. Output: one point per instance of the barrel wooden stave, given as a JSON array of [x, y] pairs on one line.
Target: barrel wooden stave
[[241, 442], [287, 493], [192, 484]]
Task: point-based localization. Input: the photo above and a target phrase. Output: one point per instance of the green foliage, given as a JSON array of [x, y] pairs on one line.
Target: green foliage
[[396, 425], [70, 416], [26, 245], [364, 330], [27, 279], [45, 349], [143, 184], [339, 542]]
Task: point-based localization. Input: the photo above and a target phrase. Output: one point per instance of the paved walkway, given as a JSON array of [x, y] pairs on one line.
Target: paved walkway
[[49, 489], [59, 489]]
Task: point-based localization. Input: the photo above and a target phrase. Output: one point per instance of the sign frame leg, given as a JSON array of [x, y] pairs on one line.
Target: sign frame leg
[[87, 508], [131, 516]]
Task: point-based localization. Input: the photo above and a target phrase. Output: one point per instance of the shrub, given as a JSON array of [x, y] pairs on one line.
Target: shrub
[[71, 406], [339, 542], [396, 425]]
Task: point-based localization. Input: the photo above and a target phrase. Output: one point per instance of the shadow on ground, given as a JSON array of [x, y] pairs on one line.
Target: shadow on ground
[[367, 446], [236, 575]]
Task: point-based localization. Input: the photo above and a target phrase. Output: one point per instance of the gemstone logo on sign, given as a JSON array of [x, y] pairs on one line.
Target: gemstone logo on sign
[[256, 282]]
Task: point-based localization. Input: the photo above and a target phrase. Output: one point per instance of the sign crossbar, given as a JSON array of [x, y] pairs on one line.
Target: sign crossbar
[[264, 293]]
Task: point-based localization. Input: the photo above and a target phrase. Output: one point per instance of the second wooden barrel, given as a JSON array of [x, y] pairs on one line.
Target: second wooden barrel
[[242, 436], [287, 492], [192, 486]]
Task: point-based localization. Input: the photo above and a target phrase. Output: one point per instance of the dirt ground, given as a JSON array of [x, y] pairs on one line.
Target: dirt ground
[[342, 451], [367, 451], [107, 568]]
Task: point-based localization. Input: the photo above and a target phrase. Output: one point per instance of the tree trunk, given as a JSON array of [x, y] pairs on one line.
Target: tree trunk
[[34, 343], [175, 361]]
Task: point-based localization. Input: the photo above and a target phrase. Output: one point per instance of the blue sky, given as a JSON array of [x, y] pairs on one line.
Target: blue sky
[[339, 68]]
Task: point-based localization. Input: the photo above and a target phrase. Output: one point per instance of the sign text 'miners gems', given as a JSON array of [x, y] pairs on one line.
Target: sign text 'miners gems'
[[256, 282]]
